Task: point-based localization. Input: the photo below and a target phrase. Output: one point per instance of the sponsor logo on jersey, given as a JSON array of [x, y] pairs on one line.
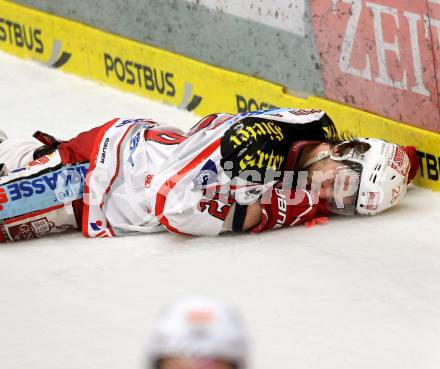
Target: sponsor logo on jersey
[[104, 150], [96, 226], [255, 145], [207, 175], [148, 180], [244, 133], [134, 143], [261, 160]]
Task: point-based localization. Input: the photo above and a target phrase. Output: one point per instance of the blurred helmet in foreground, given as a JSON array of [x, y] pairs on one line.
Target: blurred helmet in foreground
[[199, 328]]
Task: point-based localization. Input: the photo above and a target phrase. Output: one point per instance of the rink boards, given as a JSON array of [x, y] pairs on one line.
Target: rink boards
[[179, 81]]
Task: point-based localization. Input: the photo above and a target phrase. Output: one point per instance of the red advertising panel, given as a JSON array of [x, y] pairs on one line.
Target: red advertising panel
[[381, 56]]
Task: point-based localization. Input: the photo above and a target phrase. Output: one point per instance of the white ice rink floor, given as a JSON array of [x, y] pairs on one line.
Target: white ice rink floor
[[358, 293]]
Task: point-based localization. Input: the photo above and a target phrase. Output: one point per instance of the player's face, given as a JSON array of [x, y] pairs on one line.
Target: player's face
[[336, 184], [193, 363]]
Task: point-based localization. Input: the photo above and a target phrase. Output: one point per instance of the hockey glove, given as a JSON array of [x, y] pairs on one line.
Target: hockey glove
[[286, 208]]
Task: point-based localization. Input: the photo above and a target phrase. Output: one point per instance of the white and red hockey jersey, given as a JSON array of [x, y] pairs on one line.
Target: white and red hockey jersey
[[145, 177]]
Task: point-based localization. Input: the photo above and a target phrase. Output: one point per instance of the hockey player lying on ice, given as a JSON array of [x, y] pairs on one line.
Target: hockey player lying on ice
[[247, 172]]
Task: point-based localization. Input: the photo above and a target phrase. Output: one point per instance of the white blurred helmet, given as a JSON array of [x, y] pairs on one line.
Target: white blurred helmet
[[201, 328], [383, 169], [3, 136]]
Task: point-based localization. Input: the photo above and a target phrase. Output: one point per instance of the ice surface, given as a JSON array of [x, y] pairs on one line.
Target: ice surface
[[357, 293]]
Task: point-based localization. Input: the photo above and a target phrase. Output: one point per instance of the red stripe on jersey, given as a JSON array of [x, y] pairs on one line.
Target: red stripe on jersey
[[170, 183], [99, 137], [118, 163]]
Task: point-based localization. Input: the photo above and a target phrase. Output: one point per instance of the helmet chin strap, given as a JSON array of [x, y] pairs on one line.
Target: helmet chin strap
[[321, 156]]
